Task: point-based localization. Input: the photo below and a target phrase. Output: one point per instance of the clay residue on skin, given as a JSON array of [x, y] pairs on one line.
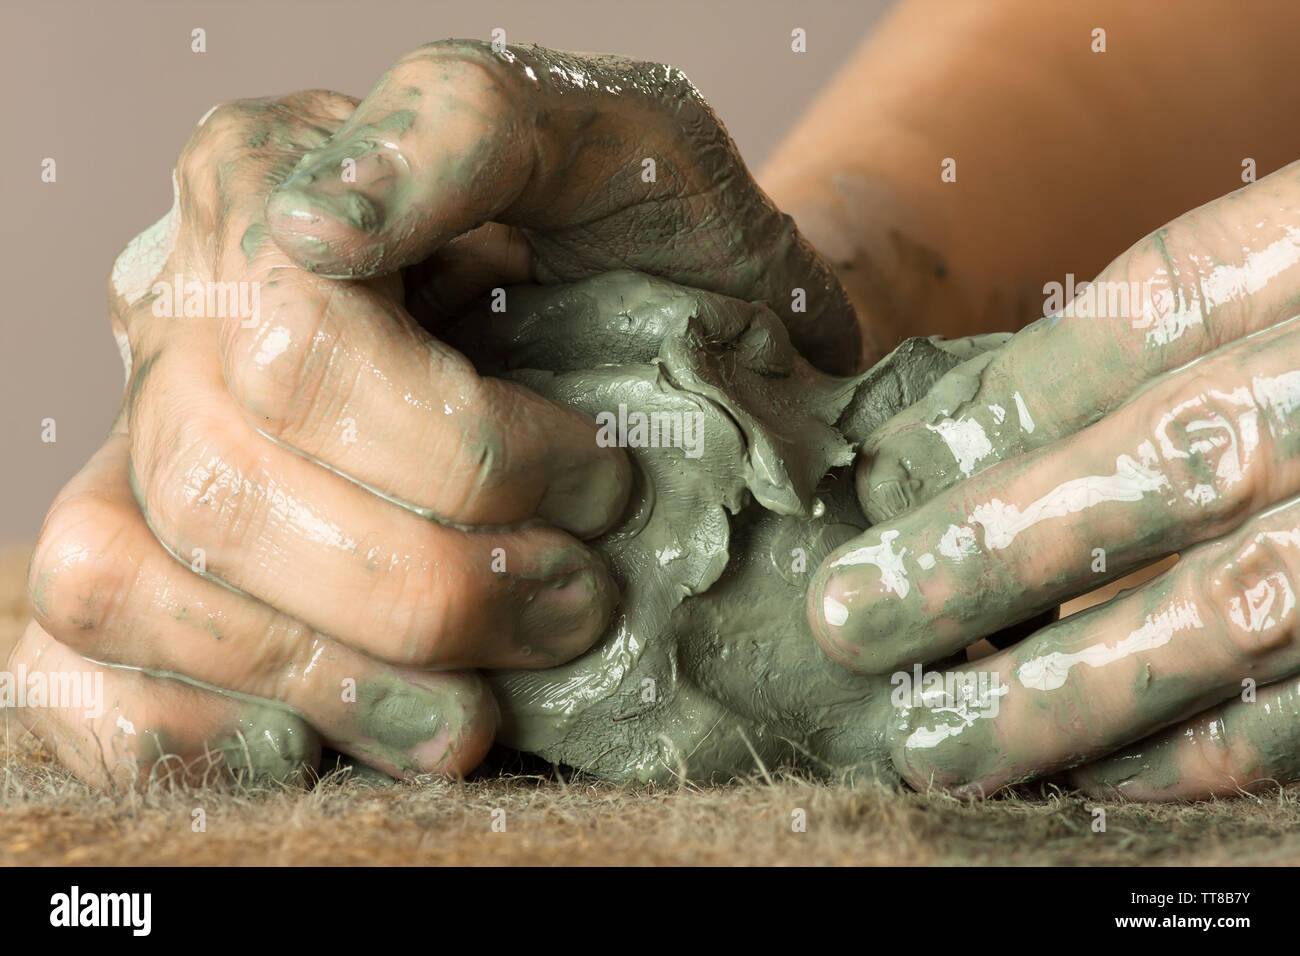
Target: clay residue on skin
[[265, 742], [709, 668], [398, 717], [1253, 741], [270, 744]]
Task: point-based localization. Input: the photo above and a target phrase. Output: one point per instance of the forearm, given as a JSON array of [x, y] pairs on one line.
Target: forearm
[[1062, 155]]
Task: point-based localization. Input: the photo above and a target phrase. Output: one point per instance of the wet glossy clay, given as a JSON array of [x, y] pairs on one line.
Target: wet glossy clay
[[709, 665]]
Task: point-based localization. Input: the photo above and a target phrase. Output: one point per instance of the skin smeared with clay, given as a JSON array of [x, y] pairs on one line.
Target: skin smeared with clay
[[600, 161], [1239, 746], [114, 735], [1015, 484], [331, 505], [176, 547], [269, 745], [530, 165], [708, 667]]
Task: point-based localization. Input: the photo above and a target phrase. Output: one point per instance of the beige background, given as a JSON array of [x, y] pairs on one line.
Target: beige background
[[111, 91]]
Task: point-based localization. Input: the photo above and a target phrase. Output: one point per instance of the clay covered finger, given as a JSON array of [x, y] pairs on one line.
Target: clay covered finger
[[605, 162], [106, 589], [120, 727], [342, 374], [1218, 273], [337, 370], [322, 549], [1187, 459], [1249, 744], [1115, 673]]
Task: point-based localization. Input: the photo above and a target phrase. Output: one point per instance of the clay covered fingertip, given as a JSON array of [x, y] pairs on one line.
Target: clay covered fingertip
[[884, 488], [566, 614], [588, 498], [268, 744], [1124, 775], [829, 613], [441, 724], [331, 236], [468, 736]]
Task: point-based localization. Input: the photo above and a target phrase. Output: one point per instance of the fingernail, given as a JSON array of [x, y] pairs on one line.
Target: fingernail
[[567, 612], [466, 738], [1115, 775], [833, 606], [270, 744], [859, 622], [885, 489], [944, 748], [433, 729], [323, 187], [587, 498]]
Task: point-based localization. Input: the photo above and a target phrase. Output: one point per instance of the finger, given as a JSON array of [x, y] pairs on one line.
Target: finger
[[106, 589], [1245, 745], [456, 135], [122, 728], [340, 372], [1113, 674], [1216, 274], [1186, 460], [420, 426], [323, 550]]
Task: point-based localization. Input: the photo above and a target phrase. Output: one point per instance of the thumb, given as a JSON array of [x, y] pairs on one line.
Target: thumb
[[434, 151]]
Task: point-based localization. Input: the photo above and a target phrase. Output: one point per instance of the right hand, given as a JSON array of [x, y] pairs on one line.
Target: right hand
[[1157, 415]]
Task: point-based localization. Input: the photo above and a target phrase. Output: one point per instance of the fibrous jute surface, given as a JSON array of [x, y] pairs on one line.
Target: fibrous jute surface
[[48, 818]]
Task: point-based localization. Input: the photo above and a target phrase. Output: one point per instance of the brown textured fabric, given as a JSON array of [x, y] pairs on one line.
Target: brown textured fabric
[[48, 818]]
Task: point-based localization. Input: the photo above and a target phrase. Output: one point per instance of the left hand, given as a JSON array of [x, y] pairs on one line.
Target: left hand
[[1164, 419]]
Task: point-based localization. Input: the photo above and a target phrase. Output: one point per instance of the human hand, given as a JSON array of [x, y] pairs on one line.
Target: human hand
[[565, 166], [330, 348], [1162, 416], [312, 592]]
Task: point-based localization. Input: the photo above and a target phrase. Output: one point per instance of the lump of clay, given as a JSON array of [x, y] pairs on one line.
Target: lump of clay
[[741, 450]]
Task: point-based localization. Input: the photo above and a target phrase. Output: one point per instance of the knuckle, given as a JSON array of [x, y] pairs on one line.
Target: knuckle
[[329, 106], [204, 492], [78, 572], [1207, 438], [421, 609], [468, 50], [434, 63], [1162, 278], [279, 670], [220, 133], [281, 369], [1252, 588]]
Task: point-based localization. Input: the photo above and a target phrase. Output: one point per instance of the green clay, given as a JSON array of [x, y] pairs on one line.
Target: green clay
[[254, 236], [270, 744], [1269, 725], [1151, 765], [695, 221], [399, 715], [709, 667], [265, 743]]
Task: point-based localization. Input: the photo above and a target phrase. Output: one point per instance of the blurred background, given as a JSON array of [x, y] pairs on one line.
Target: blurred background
[[112, 91]]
